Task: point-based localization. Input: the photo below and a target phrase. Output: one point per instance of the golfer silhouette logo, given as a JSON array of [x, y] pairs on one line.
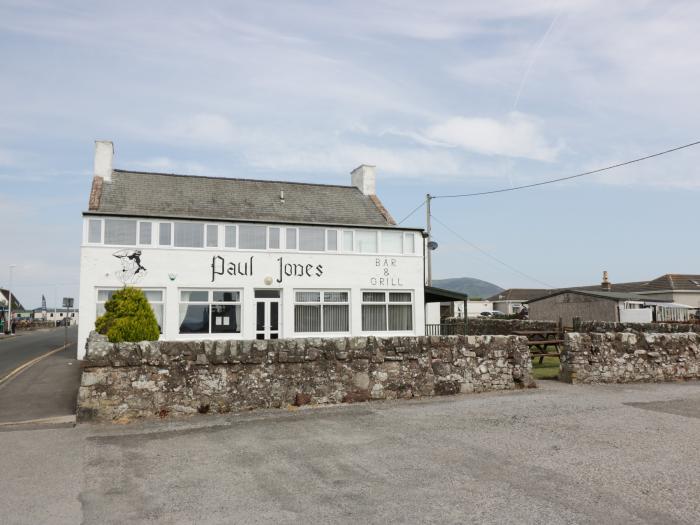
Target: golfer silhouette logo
[[132, 270]]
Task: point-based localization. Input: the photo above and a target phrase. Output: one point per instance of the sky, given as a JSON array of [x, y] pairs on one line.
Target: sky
[[444, 97]]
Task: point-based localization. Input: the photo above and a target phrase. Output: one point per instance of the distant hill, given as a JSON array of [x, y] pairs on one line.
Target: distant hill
[[468, 285]]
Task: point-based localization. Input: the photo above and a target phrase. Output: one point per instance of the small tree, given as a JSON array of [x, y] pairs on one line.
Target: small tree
[[128, 317]]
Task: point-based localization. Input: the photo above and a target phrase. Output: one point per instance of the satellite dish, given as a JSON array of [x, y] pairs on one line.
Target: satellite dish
[[432, 245]]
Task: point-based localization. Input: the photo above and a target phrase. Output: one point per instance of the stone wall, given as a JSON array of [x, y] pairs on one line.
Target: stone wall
[[665, 328], [148, 379], [485, 326], [628, 357]]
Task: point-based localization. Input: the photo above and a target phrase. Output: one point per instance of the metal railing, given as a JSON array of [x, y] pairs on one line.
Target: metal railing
[[445, 329]]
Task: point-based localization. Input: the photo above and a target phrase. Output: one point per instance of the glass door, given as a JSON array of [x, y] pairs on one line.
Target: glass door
[[267, 314]]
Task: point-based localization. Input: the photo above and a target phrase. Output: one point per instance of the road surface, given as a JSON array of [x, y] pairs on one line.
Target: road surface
[[25, 346], [560, 453]]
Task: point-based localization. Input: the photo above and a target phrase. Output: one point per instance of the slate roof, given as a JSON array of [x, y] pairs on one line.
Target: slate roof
[[613, 296], [519, 294], [195, 197], [673, 281]]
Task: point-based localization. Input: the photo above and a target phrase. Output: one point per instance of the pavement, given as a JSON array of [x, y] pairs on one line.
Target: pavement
[[556, 454], [24, 346]]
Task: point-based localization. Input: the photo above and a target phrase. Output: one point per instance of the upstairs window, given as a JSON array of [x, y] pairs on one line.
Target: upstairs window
[[366, 241], [274, 238], [95, 231], [212, 235], [120, 232], [252, 237], [291, 238], [145, 232], [332, 240], [165, 234], [189, 235], [392, 242], [409, 243], [229, 236], [348, 241], [312, 239]]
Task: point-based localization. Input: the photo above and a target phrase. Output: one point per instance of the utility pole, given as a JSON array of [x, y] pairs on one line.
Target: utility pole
[[429, 261], [9, 305]]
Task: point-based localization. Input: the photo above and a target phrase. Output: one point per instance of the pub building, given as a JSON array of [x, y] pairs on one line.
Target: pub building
[[227, 258]]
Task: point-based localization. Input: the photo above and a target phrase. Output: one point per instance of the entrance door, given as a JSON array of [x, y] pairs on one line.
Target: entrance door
[[267, 314]]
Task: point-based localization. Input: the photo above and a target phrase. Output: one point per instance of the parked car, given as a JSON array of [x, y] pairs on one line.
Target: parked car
[[496, 313], [486, 313]]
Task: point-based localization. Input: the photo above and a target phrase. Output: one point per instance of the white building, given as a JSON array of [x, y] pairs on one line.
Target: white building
[[248, 259], [474, 308]]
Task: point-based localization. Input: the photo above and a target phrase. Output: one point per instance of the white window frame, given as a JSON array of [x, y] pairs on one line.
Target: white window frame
[[138, 233], [386, 303], [211, 302], [322, 303], [206, 235], [280, 238], [87, 230], [172, 234], [337, 240], [98, 289], [383, 251], [352, 242], [124, 219]]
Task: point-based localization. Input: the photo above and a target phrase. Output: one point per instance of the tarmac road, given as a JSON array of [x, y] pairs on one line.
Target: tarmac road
[[25, 346], [560, 453]]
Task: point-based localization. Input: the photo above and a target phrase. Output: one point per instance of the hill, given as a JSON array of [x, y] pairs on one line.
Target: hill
[[468, 285]]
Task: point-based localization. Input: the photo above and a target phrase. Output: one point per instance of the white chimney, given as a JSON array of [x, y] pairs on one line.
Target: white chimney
[[104, 153], [363, 177]]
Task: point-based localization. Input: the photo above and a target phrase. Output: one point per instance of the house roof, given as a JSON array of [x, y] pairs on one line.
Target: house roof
[[146, 194], [4, 294], [673, 281], [519, 294], [613, 296]]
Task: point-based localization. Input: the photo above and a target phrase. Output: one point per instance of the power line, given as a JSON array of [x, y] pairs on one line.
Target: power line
[[551, 181], [414, 211], [489, 255]]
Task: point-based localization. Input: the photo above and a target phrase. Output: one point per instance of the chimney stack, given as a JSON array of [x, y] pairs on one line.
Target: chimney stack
[[606, 285], [104, 154], [364, 179]]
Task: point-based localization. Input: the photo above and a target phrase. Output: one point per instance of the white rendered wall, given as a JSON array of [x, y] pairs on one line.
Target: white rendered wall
[[192, 268]]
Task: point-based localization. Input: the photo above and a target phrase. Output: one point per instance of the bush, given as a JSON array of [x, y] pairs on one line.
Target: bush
[[128, 317]]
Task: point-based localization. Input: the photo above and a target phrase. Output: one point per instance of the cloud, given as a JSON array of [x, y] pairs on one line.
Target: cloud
[[516, 135]]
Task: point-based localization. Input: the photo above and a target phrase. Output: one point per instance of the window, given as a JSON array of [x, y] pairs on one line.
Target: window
[[212, 236], [164, 234], [409, 243], [120, 232], [321, 311], [348, 240], [252, 237], [230, 236], [291, 235], [145, 232], [392, 242], [312, 239], [366, 241], [332, 240], [155, 298], [382, 311], [189, 235], [274, 239], [95, 230], [210, 311]]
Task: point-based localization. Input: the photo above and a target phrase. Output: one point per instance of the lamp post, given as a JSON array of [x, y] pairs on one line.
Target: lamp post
[[9, 304]]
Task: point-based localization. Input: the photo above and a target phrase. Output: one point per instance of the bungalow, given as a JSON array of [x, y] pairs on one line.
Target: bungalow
[[250, 259]]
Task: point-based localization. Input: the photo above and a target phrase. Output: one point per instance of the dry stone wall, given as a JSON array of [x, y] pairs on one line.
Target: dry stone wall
[[665, 328], [628, 357], [485, 326], [149, 379]]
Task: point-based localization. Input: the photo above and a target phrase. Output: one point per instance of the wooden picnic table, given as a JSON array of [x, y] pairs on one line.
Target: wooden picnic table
[[540, 340]]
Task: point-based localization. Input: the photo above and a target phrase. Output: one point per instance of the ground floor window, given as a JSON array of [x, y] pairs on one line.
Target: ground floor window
[[210, 311], [321, 311], [155, 297], [387, 311]]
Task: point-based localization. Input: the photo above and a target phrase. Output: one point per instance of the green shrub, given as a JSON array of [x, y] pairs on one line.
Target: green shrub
[[128, 317]]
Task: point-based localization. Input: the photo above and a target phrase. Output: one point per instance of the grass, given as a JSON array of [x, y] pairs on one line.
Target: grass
[[549, 369]]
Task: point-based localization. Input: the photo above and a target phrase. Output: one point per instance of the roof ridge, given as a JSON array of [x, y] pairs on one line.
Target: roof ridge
[[236, 179]]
